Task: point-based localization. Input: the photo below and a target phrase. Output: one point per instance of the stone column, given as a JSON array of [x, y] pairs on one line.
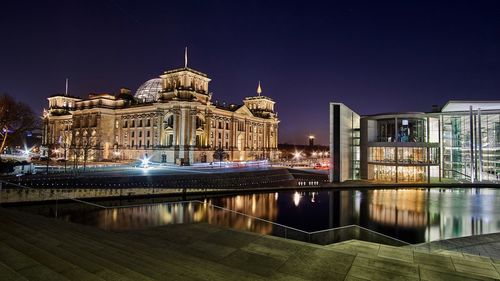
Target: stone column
[[175, 128], [234, 134], [193, 128], [208, 129]]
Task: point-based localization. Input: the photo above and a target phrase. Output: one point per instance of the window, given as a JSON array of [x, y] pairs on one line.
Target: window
[[132, 134], [140, 123], [497, 133], [382, 154], [133, 123], [125, 124], [133, 143], [227, 125], [148, 134], [220, 125], [220, 135], [140, 134], [149, 123], [199, 122], [170, 121]]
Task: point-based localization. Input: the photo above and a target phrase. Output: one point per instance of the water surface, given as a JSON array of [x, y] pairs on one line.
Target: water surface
[[413, 215]]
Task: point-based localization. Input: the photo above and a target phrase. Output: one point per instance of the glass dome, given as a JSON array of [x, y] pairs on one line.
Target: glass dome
[[149, 91]]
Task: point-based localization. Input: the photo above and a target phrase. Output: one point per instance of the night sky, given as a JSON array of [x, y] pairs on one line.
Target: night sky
[[374, 56]]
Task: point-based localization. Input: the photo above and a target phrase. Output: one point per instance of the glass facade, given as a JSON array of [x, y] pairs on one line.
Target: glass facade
[[461, 142], [406, 155], [405, 148], [471, 155], [356, 154], [407, 130], [382, 155]]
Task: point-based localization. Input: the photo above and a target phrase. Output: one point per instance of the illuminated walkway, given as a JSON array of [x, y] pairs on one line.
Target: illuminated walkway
[[38, 248]]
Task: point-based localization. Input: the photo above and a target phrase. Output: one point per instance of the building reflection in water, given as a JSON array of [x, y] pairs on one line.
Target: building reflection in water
[[434, 214], [261, 206], [404, 208], [413, 215]]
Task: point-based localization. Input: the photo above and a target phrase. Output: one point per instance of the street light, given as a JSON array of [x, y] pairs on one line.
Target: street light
[[297, 155], [145, 162]]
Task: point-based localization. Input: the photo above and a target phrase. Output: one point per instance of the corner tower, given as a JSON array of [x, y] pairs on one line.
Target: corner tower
[[260, 105]]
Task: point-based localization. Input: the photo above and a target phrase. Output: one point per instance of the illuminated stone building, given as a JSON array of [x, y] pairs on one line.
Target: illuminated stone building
[[169, 119], [460, 141]]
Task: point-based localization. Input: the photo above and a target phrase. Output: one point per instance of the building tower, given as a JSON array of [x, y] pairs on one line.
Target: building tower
[[263, 107], [311, 141]]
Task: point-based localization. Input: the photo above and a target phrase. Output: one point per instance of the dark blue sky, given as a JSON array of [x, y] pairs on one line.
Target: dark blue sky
[[375, 56]]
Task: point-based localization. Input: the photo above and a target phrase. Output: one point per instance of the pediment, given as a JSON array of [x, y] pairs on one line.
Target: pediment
[[244, 111]]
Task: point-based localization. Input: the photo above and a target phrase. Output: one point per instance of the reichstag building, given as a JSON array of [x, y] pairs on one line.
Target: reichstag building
[[169, 119]]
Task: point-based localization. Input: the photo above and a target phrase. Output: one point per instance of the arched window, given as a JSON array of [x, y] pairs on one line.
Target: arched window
[[170, 121], [199, 123]]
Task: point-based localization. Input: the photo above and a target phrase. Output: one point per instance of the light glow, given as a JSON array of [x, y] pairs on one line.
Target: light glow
[[296, 199]]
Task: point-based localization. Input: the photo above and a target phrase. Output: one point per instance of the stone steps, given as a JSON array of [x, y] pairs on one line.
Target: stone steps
[[92, 264], [148, 261], [8, 274], [440, 265], [38, 248], [153, 254]]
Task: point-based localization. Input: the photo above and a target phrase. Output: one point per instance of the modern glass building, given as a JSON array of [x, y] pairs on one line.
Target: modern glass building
[[460, 141]]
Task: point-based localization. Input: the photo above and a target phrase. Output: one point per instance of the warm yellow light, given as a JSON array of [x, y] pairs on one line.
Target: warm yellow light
[[296, 198]]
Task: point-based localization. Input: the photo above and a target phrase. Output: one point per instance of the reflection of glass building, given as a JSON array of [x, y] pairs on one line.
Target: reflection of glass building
[[461, 141]]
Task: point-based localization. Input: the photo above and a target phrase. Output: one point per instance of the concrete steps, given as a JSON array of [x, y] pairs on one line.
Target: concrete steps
[[38, 248], [117, 256], [402, 260]]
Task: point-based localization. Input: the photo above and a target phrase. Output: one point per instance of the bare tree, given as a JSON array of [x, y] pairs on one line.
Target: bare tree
[[88, 145], [220, 155], [65, 144], [15, 119], [75, 149]]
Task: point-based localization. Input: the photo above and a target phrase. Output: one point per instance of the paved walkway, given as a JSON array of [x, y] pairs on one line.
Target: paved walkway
[[38, 248], [487, 245]]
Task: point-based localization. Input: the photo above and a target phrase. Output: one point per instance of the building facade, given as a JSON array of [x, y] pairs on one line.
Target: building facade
[[460, 141], [169, 119]]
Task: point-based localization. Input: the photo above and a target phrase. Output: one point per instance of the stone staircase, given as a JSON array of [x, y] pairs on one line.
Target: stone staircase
[[39, 248]]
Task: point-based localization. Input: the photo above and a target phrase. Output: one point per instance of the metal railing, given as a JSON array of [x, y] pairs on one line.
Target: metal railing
[[321, 237], [259, 225]]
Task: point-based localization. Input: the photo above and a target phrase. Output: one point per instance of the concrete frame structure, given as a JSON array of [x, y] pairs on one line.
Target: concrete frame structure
[[344, 143], [171, 119], [461, 141]]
